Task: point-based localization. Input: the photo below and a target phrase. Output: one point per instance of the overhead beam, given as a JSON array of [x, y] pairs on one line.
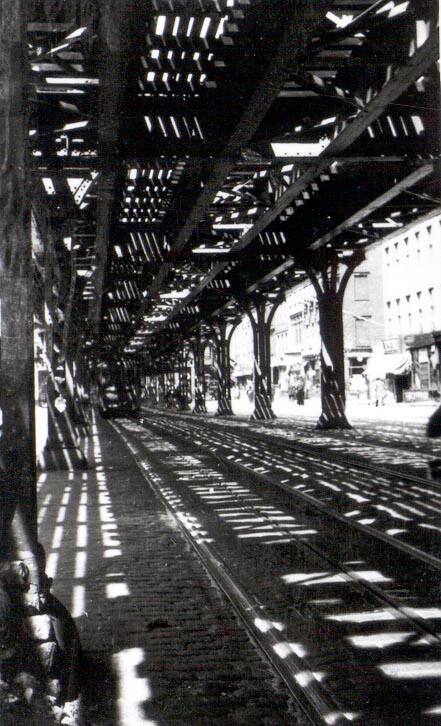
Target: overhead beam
[[404, 76], [271, 275], [294, 38], [304, 17], [217, 269], [409, 181], [113, 26], [80, 166]]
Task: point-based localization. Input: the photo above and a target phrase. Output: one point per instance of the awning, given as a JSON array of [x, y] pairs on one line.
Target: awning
[[396, 364]]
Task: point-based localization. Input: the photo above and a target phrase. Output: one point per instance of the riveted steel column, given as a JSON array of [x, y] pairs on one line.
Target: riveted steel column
[[323, 271], [17, 442], [262, 365], [183, 394], [198, 350]]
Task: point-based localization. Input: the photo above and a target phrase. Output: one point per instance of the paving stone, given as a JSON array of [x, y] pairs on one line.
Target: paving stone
[[150, 619]]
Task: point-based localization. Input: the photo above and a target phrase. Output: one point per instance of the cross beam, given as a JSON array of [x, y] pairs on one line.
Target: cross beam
[[416, 176], [114, 42], [409, 181], [407, 74], [293, 42]]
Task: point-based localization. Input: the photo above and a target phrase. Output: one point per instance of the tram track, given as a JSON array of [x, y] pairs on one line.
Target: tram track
[[387, 434], [319, 450], [427, 559], [314, 707], [346, 459], [247, 606], [324, 508]]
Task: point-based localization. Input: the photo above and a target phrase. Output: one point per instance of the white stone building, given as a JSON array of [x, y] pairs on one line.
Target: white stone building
[[412, 303]]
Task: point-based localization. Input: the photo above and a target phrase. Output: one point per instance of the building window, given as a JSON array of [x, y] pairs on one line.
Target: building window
[[388, 320], [297, 324], [361, 332], [361, 286], [357, 366], [420, 313], [409, 314], [431, 319]]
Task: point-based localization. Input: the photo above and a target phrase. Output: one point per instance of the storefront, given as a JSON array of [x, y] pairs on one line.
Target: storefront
[[280, 379], [389, 376], [356, 381], [242, 378], [425, 351], [312, 368]]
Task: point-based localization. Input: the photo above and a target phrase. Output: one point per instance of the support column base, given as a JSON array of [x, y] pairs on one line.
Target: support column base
[[41, 668], [262, 409], [224, 411], [224, 406], [325, 424], [258, 416], [199, 408]]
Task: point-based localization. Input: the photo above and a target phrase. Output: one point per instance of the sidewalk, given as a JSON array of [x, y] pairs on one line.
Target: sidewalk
[[161, 644]]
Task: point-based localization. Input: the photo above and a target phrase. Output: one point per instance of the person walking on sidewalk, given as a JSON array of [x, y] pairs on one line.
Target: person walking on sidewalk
[[300, 391]]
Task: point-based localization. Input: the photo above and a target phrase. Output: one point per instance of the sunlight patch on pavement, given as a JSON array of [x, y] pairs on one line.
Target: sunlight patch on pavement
[[133, 691], [418, 669], [283, 650], [265, 625], [116, 589], [379, 640]]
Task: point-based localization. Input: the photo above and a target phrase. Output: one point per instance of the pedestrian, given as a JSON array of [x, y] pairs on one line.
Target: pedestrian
[[300, 392], [379, 392]]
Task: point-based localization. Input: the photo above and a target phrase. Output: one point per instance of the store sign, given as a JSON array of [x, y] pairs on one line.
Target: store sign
[[418, 341], [392, 345]]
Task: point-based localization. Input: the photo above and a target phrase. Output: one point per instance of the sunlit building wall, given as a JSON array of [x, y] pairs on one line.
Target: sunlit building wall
[[412, 301], [363, 317]]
